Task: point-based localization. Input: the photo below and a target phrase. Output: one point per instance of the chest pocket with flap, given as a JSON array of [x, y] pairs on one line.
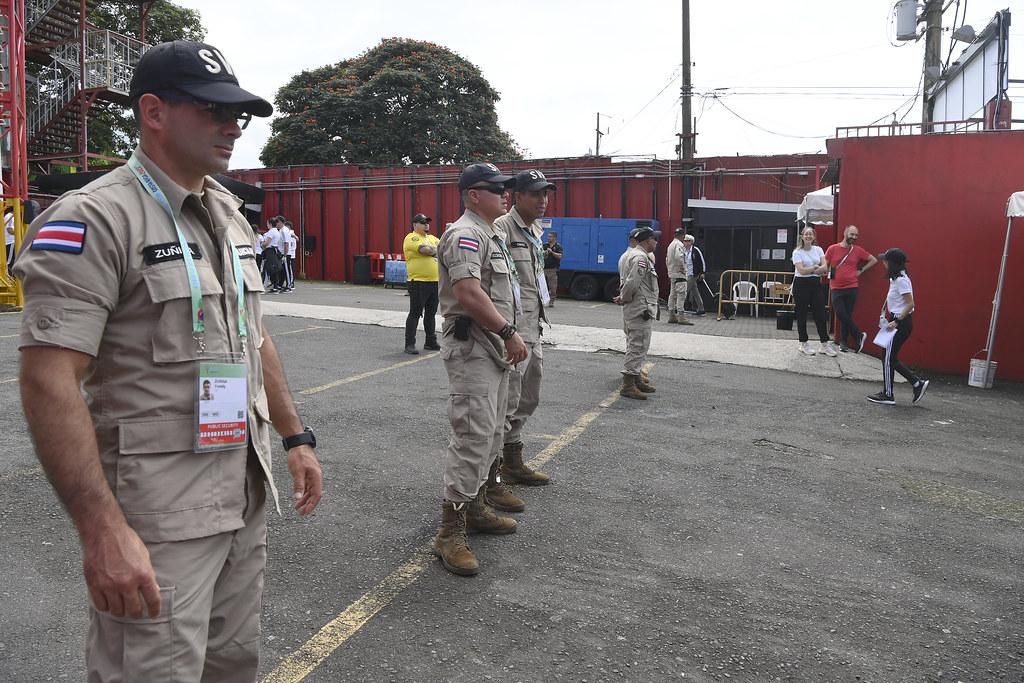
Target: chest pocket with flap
[[168, 286]]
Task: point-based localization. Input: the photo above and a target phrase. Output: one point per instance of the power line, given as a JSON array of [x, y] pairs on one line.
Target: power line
[[763, 129]]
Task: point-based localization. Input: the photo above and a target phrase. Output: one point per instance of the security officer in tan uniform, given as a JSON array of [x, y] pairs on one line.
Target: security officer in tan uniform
[[639, 296], [169, 508], [523, 235], [480, 301]]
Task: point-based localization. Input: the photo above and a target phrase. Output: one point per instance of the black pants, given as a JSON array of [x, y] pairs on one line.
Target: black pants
[[843, 301], [808, 295], [274, 266], [891, 363], [422, 302]]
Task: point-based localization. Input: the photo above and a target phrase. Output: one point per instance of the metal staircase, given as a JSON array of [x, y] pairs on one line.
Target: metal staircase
[[62, 93]]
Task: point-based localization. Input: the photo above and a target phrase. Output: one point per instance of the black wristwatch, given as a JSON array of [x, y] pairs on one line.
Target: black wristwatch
[[303, 437]]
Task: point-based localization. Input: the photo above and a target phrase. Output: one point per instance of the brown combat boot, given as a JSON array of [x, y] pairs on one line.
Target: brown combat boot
[[645, 385], [498, 495], [673, 319], [629, 388], [451, 545], [515, 471], [481, 519]]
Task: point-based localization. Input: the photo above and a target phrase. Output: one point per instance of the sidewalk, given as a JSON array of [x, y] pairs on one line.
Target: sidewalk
[[772, 354]]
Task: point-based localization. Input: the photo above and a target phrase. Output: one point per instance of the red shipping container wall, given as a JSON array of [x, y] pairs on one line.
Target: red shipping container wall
[[352, 210], [941, 198]]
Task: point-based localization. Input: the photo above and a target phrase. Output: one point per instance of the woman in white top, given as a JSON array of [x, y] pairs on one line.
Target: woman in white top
[[808, 294], [897, 314]]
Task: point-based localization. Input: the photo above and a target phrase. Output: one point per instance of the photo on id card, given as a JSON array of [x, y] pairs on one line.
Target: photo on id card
[[221, 404]]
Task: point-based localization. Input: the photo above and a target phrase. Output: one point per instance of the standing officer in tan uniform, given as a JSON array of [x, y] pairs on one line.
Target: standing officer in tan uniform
[[523, 233], [139, 288], [639, 295], [480, 301], [675, 263]]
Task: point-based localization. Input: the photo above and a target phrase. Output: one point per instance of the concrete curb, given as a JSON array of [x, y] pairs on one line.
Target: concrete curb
[[772, 354]]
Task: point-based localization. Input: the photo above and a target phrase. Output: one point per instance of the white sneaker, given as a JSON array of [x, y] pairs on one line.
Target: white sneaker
[[828, 349], [805, 347]]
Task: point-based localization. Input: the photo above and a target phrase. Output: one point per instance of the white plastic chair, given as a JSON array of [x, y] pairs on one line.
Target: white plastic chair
[[776, 292], [745, 292]]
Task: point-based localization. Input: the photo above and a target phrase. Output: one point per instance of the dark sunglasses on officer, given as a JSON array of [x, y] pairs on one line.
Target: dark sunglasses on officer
[[220, 113]]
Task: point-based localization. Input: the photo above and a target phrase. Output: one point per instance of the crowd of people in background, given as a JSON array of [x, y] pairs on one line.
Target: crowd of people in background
[[275, 250]]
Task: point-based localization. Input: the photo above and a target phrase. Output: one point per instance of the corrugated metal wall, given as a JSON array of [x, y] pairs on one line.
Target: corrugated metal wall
[[351, 210]]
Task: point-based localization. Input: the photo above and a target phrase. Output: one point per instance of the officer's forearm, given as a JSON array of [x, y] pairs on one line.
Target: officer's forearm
[[282, 409], [478, 305], [65, 438]]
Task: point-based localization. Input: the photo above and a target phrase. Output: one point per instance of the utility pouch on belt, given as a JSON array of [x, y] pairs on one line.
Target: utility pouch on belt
[[462, 324]]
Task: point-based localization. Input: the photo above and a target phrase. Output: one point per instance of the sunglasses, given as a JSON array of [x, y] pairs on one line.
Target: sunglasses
[[493, 189], [220, 113]]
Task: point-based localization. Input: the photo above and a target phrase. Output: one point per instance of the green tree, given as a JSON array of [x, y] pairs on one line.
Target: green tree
[[112, 129], [402, 102]]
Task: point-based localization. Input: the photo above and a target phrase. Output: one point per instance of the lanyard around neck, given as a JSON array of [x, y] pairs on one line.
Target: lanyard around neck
[[195, 287]]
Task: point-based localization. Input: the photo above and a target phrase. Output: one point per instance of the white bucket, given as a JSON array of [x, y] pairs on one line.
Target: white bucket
[[981, 375]]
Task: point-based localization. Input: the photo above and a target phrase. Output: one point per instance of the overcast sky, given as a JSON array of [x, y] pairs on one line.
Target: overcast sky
[[796, 69]]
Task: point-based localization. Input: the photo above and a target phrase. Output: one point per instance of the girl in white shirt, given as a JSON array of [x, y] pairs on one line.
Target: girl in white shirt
[[897, 314], [808, 294]]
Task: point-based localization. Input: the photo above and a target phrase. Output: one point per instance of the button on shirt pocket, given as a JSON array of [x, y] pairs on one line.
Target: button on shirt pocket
[[168, 285]]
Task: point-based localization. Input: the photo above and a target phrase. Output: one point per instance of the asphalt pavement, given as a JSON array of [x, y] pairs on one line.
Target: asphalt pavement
[[745, 524]]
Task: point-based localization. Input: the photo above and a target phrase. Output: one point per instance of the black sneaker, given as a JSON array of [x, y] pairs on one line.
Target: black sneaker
[[432, 346], [412, 350], [863, 337], [919, 389], [699, 313], [843, 348], [882, 398]]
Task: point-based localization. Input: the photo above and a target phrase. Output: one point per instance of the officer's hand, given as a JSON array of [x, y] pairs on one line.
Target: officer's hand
[[617, 300], [701, 276], [117, 570], [307, 478], [515, 349]]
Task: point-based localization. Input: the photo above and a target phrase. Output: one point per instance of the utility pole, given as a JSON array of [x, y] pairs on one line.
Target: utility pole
[[686, 92], [597, 142], [932, 55]]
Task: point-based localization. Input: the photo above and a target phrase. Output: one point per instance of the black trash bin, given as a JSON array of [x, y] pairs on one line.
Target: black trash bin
[[361, 270], [784, 320]]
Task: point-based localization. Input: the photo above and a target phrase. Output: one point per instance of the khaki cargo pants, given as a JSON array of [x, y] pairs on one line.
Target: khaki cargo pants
[[677, 295], [478, 397], [209, 624], [523, 392], [638, 341]]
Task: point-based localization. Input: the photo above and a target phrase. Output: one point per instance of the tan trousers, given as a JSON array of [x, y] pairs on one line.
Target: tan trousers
[[208, 630], [638, 341], [551, 277], [478, 396], [693, 294], [677, 295], [523, 392]]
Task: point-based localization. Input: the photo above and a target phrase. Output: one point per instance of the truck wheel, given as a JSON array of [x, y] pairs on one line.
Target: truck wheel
[[611, 288], [584, 287]]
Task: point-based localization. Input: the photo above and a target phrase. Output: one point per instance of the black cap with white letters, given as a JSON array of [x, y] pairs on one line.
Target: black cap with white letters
[[532, 181], [197, 69]]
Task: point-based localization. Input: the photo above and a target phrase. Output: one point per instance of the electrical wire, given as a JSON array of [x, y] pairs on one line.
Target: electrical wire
[[765, 130], [676, 74]]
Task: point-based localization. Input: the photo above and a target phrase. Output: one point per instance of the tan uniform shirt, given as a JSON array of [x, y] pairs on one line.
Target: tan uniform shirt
[[675, 260], [639, 290], [528, 260], [622, 263], [472, 248], [125, 301]]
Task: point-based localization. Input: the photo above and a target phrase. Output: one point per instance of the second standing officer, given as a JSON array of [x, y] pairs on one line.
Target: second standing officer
[[639, 296], [479, 297], [523, 234], [420, 248]]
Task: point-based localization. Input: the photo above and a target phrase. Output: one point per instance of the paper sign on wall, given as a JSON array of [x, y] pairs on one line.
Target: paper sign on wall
[[782, 235], [766, 254]]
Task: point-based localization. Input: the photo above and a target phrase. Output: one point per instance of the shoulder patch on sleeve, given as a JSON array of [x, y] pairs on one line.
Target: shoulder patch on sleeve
[[469, 243], [67, 236]]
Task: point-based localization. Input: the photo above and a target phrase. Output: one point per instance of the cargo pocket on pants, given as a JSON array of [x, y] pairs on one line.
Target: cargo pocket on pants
[[148, 643], [467, 406]]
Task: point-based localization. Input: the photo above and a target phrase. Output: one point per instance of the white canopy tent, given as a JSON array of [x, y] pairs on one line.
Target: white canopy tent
[[1014, 209], [818, 207]]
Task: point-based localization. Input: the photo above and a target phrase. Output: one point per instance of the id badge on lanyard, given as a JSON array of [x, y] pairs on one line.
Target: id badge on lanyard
[[222, 393]]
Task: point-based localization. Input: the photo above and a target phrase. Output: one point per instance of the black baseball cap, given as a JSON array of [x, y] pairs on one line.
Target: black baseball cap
[[197, 69], [421, 218], [680, 231], [646, 233], [532, 181], [483, 173]]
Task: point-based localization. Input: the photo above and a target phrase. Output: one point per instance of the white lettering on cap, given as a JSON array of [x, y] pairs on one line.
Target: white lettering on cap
[[537, 175], [215, 62]]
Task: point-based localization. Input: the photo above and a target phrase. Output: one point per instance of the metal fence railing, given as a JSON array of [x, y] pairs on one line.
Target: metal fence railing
[[756, 289]]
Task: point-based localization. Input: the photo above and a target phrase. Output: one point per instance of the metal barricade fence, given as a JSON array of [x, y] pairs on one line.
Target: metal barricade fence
[[757, 288]]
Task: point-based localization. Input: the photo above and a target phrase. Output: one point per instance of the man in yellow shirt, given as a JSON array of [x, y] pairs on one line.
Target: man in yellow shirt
[[420, 249]]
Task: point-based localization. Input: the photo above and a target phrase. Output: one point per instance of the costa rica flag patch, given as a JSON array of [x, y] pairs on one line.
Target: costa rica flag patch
[[469, 243], [67, 236]]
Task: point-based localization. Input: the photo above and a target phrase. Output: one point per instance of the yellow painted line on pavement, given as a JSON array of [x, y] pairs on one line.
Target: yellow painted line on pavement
[[303, 661], [304, 329], [9, 336], [595, 305], [365, 375], [8, 381]]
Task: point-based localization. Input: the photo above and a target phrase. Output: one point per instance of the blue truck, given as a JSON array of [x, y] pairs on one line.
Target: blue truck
[[590, 265]]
